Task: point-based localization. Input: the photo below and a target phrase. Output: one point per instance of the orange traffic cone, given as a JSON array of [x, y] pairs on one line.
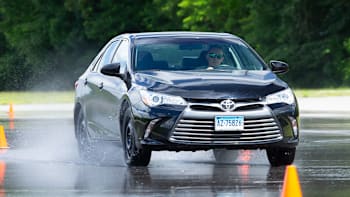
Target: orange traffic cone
[[291, 185], [11, 117], [3, 141], [11, 112]]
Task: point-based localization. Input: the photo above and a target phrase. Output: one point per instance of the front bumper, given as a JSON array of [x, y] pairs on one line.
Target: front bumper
[[192, 129]]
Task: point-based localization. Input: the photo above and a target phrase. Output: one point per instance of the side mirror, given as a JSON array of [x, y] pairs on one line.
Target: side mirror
[[279, 67], [113, 69]]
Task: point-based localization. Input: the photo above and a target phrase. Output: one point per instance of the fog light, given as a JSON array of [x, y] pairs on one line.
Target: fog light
[[150, 127], [294, 123]]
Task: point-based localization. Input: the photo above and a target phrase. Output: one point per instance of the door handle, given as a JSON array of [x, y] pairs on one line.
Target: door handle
[[85, 81], [100, 85]]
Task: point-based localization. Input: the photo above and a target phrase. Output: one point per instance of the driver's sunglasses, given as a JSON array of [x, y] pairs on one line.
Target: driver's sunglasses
[[214, 55]]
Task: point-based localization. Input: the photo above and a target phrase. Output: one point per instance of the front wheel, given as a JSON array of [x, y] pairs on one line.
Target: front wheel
[[134, 154], [280, 156]]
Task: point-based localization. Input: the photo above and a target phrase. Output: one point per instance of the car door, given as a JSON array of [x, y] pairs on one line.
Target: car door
[[113, 90], [97, 111]]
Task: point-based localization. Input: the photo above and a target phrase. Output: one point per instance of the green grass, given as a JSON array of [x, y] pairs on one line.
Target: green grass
[[38, 97], [27, 97], [322, 92]]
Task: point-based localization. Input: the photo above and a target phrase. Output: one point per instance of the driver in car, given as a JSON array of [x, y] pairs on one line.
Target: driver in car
[[215, 57]]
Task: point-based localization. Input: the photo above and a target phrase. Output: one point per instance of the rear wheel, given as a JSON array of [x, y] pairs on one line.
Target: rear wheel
[[86, 147], [225, 156], [134, 153], [280, 156]]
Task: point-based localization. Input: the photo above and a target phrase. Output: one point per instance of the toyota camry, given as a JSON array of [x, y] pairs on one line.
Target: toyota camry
[[184, 91]]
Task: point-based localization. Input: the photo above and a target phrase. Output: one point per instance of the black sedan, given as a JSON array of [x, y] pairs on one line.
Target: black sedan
[[184, 91]]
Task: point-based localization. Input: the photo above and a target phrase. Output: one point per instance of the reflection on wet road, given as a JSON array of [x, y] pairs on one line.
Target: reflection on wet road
[[43, 161]]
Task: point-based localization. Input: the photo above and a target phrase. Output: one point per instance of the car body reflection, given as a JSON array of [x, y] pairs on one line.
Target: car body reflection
[[210, 179]]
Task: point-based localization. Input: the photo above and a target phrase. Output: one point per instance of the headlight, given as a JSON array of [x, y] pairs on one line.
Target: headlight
[[284, 96], [153, 99]]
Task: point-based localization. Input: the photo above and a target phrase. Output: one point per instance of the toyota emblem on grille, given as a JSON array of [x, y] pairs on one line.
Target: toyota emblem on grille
[[227, 105]]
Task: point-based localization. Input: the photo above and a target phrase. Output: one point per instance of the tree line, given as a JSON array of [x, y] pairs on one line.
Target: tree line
[[48, 44]]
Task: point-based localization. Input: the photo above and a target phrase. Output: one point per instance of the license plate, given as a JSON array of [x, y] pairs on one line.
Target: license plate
[[229, 123]]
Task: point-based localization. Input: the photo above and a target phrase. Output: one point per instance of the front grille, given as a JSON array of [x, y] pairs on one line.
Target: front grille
[[201, 131], [251, 100], [249, 107], [192, 100], [205, 108], [213, 105]]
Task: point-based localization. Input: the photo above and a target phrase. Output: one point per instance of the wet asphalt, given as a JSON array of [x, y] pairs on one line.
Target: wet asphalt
[[43, 161]]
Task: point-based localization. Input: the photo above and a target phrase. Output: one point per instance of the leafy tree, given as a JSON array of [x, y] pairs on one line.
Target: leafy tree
[[56, 39], [47, 44], [304, 33], [160, 15], [48, 37], [213, 15]]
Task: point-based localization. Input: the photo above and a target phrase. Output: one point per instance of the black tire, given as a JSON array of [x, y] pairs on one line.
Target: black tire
[[225, 156], [86, 147], [280, 156], [134, 153]]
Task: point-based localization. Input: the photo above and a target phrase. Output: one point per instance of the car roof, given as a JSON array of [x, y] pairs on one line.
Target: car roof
[[176, 34]]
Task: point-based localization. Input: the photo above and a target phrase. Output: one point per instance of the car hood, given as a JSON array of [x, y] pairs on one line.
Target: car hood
[[211, 85]]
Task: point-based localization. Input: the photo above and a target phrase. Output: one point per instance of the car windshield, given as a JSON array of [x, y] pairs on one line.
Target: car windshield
[[181, 54]]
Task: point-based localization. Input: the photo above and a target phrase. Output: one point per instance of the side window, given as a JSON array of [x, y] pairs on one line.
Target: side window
[[107, 55], [97, 59], [122, 53], [95, 62]]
